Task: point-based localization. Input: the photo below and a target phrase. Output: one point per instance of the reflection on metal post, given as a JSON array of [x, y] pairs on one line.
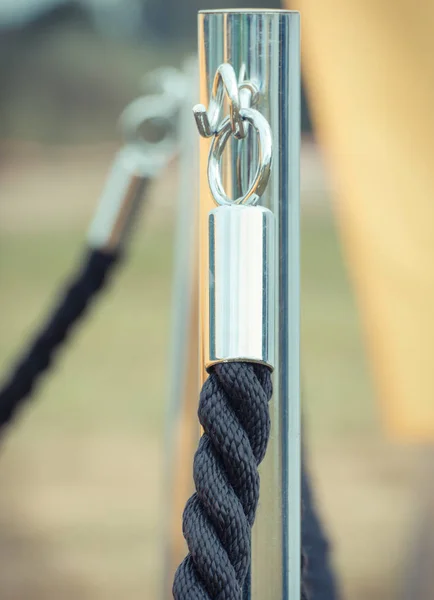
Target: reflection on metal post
[[263, 47]]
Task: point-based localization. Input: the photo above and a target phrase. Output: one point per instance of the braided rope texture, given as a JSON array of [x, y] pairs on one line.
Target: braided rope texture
[[73, 304], [233, 411]]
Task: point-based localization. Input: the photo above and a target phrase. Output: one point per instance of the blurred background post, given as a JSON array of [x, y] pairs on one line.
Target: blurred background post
[[81, 473]]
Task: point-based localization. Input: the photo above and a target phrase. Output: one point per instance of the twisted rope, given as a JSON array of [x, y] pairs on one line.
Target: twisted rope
[[233, 412], [73, 304]]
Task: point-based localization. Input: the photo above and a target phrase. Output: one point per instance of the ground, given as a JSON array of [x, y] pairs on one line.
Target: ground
[[81, 470]]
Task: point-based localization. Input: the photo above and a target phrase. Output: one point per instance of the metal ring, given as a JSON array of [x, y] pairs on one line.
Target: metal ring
[[207, 121], [259, 183], [147, 109], [152, 155]]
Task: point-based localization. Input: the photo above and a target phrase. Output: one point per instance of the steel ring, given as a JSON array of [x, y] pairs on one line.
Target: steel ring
[[259, 183]]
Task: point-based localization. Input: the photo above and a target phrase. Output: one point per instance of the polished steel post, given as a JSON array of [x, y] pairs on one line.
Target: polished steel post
[[263, 47]]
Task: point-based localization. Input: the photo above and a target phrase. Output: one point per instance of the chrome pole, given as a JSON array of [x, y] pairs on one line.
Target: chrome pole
[[263, 47]]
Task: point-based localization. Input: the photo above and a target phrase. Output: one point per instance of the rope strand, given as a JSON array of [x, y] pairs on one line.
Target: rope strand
[[233, 412], [73, 304]]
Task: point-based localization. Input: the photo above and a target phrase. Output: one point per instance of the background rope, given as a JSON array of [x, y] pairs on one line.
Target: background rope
[[233, 411], [72, 306], [319, 582]]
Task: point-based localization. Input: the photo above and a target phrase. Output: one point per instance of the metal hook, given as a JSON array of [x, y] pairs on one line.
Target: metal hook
[[208, 121]]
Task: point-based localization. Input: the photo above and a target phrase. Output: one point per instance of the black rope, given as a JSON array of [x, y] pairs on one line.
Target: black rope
[[318, 579], [73, 304], [233, 411]]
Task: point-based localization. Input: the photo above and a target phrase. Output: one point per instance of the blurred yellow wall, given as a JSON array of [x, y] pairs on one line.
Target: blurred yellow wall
[[369, 69]]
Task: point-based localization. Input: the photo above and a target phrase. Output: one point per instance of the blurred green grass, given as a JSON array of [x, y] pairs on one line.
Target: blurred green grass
[[67, 85], [87, 449], [337, 391], [117, 357]]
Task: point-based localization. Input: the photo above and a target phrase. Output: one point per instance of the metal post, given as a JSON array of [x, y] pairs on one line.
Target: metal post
[[263, 47]]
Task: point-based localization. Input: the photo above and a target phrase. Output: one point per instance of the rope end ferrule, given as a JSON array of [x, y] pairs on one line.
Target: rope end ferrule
[[119, 202], [241, 285]]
